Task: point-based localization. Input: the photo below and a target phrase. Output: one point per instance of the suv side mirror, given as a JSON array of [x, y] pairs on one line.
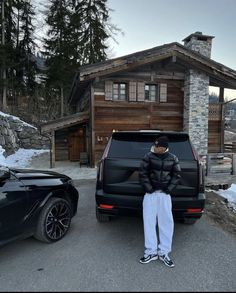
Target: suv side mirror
[[4, 173]]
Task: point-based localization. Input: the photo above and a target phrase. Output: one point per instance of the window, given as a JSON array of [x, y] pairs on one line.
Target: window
[[119, 91], [151, 92], [135, 145], [135, 91]]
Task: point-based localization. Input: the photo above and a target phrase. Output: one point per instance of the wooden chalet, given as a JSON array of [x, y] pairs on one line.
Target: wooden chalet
[[165, 88]]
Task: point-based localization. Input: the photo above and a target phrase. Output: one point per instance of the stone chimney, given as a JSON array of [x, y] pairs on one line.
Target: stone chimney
[[199, 43], [196, 95]]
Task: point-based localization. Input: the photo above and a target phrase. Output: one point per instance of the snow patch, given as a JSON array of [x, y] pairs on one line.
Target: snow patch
[[230, 195], [20, 159], [18, 119]]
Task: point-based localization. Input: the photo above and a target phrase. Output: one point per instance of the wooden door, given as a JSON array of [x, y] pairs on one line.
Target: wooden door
[[76, 144]]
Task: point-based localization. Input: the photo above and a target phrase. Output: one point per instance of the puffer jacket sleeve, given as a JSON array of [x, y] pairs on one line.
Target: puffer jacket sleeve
[[144, 174], [175, 178]]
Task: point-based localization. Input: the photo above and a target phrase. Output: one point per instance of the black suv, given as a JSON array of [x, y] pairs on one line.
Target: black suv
[[118, 190]]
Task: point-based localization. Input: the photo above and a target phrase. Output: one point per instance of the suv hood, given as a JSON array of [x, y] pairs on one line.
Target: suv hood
[[37, 174]]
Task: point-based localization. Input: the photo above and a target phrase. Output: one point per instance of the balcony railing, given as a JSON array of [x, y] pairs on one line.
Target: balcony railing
[[215, 112]]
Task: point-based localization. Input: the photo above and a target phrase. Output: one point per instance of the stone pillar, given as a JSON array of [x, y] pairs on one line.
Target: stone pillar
[[196, 102]]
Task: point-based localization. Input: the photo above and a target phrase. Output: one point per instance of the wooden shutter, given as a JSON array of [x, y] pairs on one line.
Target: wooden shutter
[[141, 91], [108, 90], [163, 92], [132, 91]]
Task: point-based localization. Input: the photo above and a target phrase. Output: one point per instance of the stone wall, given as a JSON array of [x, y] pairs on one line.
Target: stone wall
[[15, 134], [196, 103]]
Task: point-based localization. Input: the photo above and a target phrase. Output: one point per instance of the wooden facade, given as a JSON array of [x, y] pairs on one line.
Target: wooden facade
[[144, 90], [131, 114], [68, 136]]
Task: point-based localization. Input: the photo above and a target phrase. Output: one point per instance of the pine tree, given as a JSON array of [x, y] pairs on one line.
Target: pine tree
[[18, 50], [94, 17], [7, 50], [56, 49], [78, 31], [27, 48]]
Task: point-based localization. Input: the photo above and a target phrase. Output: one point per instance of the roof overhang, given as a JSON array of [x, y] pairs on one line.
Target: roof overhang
[[64, 122], [220, 75]]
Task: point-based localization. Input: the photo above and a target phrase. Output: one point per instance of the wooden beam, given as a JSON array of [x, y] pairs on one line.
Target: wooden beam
[[92, 126], [190, 63], [234, 164], [222, 124], [152, 75], [53, 149], [221, 95]]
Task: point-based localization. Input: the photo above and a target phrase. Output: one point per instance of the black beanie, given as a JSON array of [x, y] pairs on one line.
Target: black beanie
[[162, 142]]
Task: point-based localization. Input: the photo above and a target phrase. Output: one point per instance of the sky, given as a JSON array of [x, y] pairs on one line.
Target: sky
[[149, 23]]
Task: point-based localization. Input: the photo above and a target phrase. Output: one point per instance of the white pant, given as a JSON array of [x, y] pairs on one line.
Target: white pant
[[157, 210]]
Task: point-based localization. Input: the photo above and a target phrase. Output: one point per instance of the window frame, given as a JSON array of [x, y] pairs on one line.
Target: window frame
[[119, 94], [156, 86]]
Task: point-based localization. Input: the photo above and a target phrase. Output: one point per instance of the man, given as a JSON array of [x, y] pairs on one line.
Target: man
[[159, 175]]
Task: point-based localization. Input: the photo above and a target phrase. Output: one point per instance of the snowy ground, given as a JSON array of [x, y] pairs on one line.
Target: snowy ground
[[230, 195], [40, 159]]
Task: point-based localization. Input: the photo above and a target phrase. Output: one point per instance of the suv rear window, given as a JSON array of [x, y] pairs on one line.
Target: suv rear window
[[134, 146]]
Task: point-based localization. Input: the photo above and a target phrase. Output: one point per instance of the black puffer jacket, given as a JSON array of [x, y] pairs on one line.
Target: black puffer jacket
[[159, 172]]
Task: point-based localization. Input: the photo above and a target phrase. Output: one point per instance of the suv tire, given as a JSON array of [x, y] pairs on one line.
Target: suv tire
[[189, 221], [101, 217]]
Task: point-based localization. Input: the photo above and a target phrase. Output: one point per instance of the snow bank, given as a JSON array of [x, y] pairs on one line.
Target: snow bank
[[21, 158], [230, 195]]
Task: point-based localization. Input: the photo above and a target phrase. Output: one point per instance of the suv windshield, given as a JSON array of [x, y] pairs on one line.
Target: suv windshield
[[135, 146]]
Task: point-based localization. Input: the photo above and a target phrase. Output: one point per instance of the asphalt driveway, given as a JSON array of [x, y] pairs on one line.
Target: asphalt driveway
[[105, 257]]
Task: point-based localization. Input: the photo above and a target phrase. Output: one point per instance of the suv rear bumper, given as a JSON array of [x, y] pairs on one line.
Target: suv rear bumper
[[116, 204]]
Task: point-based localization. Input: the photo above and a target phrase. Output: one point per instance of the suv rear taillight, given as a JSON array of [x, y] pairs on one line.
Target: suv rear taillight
[[106, 206], [200, 170], [104, 155], [194, 210], [195, 154]]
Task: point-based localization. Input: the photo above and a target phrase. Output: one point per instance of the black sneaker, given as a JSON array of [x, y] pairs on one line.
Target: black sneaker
[[148, 258], [167, 261]]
